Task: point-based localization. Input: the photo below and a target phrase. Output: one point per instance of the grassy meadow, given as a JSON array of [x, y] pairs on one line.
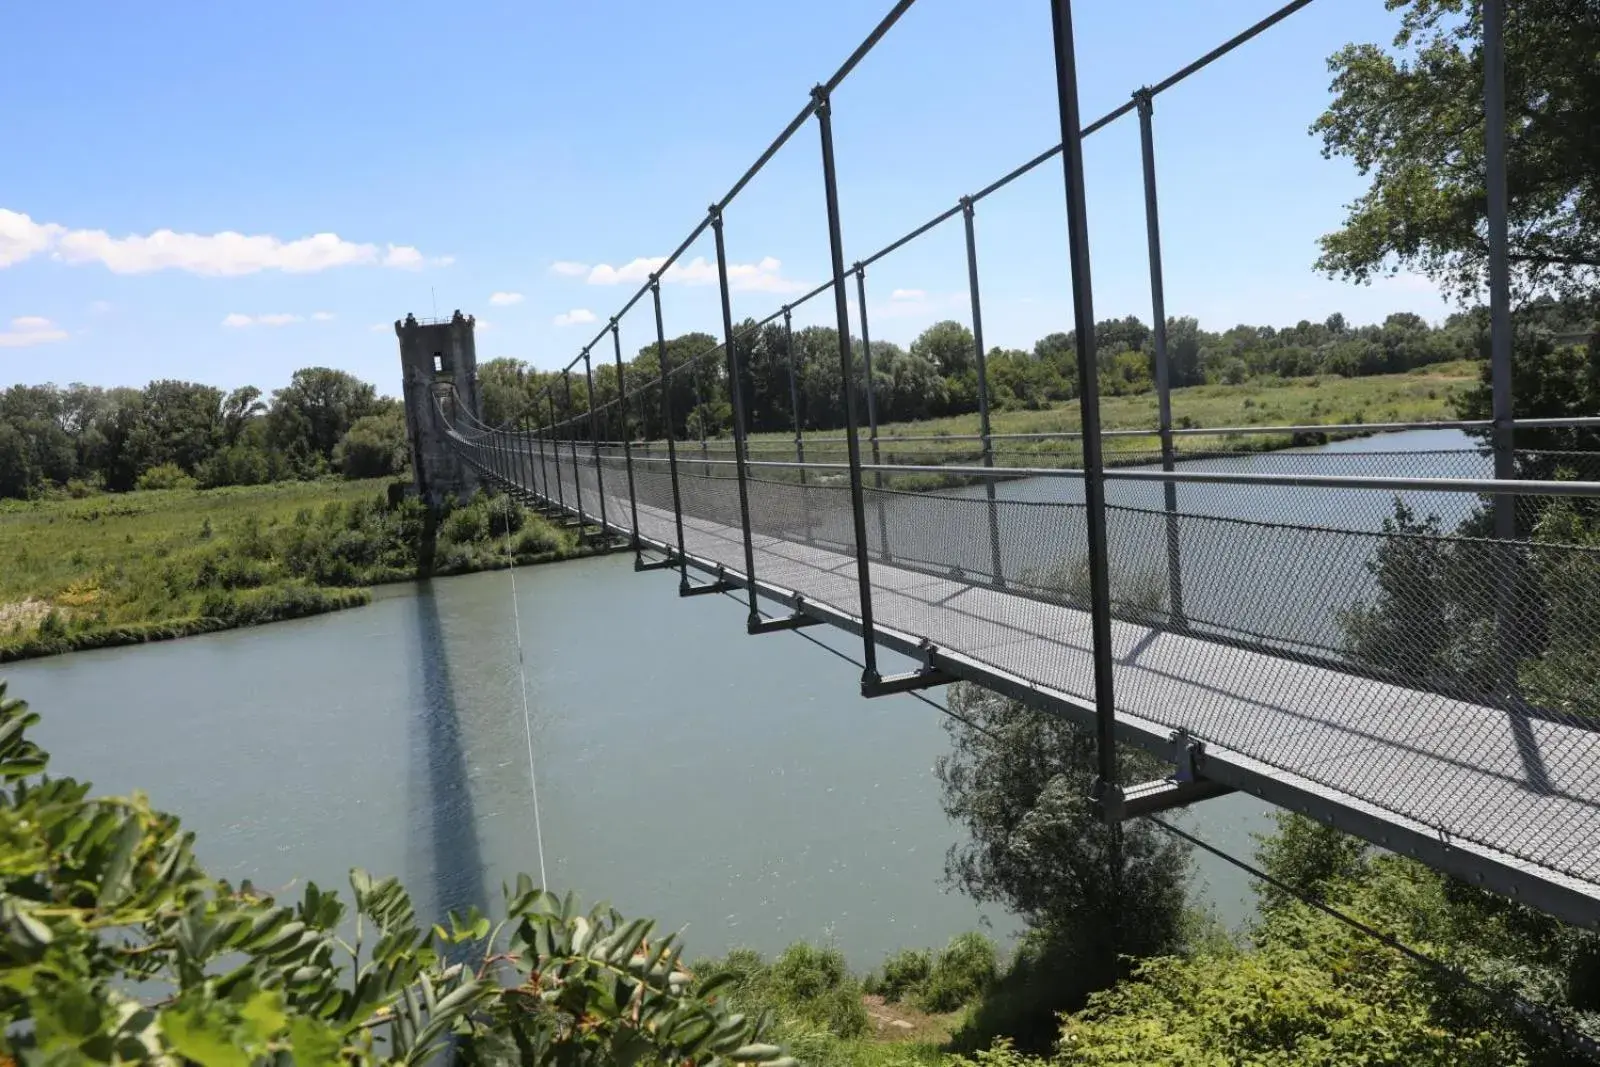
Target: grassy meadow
[[109, 569], [1425, 394]]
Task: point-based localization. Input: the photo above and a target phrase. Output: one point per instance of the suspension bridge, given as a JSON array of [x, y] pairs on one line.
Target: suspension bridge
[[1259, 621]]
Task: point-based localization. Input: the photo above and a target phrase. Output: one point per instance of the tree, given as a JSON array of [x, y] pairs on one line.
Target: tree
[[184, 420], [1056, 348], [1185, 351], [374, 447], [106, 904], [1547, 381], [504, 390], [17, 476], [1019, 781], [316, 409], [241, 407], [1414, 123], [948, 345]]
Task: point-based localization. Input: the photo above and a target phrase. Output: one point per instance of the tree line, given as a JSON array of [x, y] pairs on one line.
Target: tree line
[[329, 421], [937, 375], [176, 433]]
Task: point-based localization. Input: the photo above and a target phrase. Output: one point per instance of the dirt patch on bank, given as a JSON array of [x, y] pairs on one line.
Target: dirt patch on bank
[[902, 1022]]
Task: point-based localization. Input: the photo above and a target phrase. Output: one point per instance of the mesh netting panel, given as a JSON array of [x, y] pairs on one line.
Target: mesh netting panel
[[1449, 678], [1374, 642]]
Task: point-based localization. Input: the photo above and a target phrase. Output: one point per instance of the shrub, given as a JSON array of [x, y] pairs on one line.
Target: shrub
[[505, 516], [961, 972], [165, 476], [241, 465], [904, 975], [536, 539], [373, 447], [465, 525], [815, 984]]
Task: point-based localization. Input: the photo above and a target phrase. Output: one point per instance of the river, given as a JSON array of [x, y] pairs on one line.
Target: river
[[737, 787]]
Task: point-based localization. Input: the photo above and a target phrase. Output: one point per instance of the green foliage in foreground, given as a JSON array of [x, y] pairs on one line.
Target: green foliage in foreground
[[1314, 990], [104, 570], [102, 897]]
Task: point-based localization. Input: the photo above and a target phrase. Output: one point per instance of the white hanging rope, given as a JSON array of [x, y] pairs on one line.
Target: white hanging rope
[[522, 684]]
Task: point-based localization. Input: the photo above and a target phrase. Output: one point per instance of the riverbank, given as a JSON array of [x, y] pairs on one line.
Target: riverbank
[[1423, 395], [1024, 438], [118, 569]]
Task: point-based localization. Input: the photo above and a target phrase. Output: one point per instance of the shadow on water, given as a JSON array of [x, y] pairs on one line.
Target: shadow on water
[[439, 764]]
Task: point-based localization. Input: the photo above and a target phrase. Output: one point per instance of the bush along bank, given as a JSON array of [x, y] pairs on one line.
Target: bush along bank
[[148, 566]]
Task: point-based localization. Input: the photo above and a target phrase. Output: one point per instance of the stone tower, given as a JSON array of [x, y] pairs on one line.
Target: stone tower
[[436, 354]]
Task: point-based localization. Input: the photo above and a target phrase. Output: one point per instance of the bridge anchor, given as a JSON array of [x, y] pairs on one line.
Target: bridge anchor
[[1186, 785], [925, 677], [721, 585], [757, 625]]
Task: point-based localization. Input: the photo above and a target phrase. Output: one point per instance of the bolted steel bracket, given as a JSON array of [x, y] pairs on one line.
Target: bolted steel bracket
[[925, 677], [1186, 785], [757, 625]]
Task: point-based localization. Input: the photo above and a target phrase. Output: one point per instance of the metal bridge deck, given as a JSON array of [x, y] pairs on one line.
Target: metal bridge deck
[[1511, 801]]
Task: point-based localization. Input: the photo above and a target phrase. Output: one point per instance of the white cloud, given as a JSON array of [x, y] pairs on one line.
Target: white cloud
[[505, 299], [763, 277], [21, 237], [908, 294], [31, 330], [222, 254], [575, 317], [238, 321], [569, 269], [322, 316]]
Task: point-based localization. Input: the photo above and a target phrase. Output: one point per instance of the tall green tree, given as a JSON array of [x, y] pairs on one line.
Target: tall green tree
[[1411, 119], [317, 408], [1019, 782]]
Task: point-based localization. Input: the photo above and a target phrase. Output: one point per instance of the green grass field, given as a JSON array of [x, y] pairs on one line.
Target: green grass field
[[120, 568]]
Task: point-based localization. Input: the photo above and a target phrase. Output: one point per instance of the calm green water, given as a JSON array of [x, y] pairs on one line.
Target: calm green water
[[734, 785]]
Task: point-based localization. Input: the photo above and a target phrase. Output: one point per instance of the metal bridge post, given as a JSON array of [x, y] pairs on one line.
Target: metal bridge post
[[627, 440], [555, 452], [830, 184], [594, 440], [794, 415], [521, 456], [1158, 312], [753, 622], [544, 469], [872, 408], [494, 459], [527, 453], [672, 448], [572, 443], [699, 414], [1094, 487], [984, 430]]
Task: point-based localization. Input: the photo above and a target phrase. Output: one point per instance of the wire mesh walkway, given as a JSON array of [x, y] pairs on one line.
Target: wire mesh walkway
[[1514, 789]]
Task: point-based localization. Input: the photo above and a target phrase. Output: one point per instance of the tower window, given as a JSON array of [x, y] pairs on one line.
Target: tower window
[[438, 362]]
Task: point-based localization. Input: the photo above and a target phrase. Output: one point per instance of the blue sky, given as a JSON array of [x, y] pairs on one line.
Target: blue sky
[[225, 192]]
